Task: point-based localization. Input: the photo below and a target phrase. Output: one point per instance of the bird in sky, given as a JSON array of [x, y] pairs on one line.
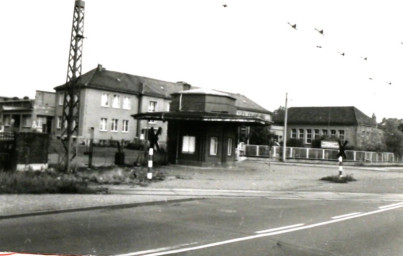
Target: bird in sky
[[318, 46], [371, 78], [294, 26], [389, 83], [224, 5], [320, 31], [364, 58], [342, 53]]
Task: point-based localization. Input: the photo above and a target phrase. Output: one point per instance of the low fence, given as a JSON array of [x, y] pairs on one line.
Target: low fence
[[317, 154]]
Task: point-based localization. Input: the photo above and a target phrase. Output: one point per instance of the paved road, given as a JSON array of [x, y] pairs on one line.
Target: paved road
[[258, 208], [217, 226]]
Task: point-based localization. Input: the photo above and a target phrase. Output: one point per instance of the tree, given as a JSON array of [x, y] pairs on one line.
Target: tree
[[260, 135], [393, 135], [278, 115]]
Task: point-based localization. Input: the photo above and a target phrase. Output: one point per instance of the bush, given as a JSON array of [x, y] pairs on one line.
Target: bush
[[295, 143], [137, 145], [118, 175], [338, 179], [32, 182]]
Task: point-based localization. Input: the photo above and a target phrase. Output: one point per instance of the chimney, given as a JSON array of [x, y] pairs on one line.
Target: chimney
[[185, 85]]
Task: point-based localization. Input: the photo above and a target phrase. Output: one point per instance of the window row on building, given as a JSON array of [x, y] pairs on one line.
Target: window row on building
[[114, 125], [189, 145], [107, 100], [307, 135], [115, 101]]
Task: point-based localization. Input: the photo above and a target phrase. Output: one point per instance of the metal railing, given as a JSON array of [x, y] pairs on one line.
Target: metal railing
[[317, 154]]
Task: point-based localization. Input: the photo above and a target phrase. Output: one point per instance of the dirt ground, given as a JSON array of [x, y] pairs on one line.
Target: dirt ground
[[264, 175]]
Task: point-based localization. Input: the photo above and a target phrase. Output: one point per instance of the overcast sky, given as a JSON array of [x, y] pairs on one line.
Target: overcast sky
[[248, 47]]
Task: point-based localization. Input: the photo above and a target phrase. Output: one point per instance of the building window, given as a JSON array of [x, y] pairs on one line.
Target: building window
[[213, 146], [317, 135], [59, 122], [125, 125], [333, 133], [126, 103], [324, 132], [341, 134], [116, 101], [229, 147], [308, 135], [105, 100], [188, 144], [103, 124], [301, 134], [60, 99], [152, 106], [114, 125], [294, 133]]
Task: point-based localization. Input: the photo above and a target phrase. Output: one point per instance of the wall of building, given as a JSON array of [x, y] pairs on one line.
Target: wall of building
[[349, 132], [202, 132], [93, 111], [357, 136]]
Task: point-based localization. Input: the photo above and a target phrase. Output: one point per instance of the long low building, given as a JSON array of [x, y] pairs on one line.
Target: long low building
[[344, 122]]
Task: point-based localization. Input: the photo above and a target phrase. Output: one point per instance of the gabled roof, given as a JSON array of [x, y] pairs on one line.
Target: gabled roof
[[328, 116], [100, 78], [244, 103]]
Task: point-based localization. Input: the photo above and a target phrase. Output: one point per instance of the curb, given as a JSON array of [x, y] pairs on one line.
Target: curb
[[115, 206]]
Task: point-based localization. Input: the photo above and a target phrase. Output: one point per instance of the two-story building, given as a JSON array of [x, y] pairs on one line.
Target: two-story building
[[108, 98]]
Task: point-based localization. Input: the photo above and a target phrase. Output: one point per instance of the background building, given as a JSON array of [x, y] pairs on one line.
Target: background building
[[344, 123], [108, 98], [28, 114]]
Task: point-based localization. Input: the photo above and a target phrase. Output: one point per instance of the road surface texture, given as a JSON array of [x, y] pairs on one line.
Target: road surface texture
[[257, 208]]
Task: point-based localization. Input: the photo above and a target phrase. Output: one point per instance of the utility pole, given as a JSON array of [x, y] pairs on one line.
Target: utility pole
[[285, 128], [71, 103]]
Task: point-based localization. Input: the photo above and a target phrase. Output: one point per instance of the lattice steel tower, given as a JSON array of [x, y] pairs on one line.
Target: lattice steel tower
[[71, 103]]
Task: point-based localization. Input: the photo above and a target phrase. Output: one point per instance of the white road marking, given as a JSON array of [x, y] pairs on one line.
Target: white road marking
[[390, 205], [280, 228], [155, 250], [272, 233], [346, 215]]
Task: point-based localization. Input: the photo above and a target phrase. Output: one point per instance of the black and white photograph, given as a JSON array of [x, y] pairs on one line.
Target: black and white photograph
[[201, 127]]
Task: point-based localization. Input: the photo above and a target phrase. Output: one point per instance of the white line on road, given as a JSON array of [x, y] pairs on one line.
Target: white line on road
[[280, 228], [272, 233], [155, 250], [390, 205], [345, 215]]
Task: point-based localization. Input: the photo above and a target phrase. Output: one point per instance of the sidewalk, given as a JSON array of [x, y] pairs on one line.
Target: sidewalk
[[248, 178]]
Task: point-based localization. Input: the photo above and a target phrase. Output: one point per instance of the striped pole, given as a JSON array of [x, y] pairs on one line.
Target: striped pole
[[150, 163], [341, 166]]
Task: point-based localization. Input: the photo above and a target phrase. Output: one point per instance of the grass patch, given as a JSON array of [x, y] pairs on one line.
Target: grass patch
[[42, 183], [119, 175], [84, 181], [338, 179]]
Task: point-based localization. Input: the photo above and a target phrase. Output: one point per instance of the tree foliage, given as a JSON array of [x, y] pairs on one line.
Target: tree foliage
[[261, 135], [393, 135], [278, 115]]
